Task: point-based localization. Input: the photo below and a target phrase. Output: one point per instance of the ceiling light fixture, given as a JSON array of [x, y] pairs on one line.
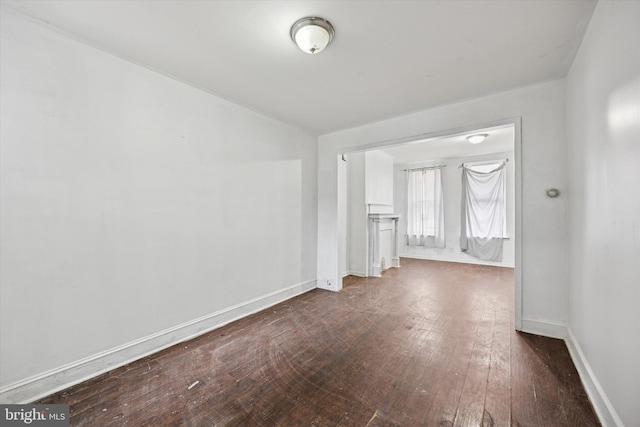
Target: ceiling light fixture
[[477, 138], [312, 34]]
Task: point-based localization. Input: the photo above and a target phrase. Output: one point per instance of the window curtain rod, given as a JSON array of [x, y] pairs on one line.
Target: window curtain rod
[[488, 162], [426, 168]]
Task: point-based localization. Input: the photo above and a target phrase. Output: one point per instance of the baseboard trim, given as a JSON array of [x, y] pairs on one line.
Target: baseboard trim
[[601, 403], [458, 260], [544, 327], [355, 273], [46, 383]]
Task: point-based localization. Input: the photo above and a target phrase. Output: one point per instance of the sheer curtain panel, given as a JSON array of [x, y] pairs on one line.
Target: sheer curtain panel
[[425, 208], [484, 211]]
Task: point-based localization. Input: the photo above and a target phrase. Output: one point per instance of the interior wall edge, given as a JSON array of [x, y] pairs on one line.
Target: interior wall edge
[[601, 403], [544, 327], [46, 383], [354, 273]]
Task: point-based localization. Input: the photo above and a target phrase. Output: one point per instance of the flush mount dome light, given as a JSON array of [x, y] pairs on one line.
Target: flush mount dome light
[[477, 138], [312, 34]]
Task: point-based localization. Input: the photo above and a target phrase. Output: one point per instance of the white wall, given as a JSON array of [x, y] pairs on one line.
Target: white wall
[[379, 182], [541, 108], [603, 127], [132, 203], [343, 216], [357, 224], [452, 187]]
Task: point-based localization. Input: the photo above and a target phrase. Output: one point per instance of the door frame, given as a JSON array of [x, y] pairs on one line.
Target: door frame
[[516, 123]]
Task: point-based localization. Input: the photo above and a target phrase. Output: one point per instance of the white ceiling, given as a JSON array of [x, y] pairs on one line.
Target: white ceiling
[[499, 140], [388, 58]]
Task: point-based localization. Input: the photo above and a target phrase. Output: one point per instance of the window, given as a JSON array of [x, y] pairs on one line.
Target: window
[[425, 208], [484, 211]]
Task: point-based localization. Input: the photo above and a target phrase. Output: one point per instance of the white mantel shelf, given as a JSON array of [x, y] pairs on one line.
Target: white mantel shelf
[[384, 216], [375, 267]]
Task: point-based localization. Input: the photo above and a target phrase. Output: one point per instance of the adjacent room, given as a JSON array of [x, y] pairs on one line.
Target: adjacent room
[[354, 213], [405, 201]]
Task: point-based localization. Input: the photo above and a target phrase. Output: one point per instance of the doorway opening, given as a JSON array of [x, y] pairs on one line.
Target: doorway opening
[[372, 182]]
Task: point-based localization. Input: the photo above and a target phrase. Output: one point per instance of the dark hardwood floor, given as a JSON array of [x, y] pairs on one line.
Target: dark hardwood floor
[[428, 344]]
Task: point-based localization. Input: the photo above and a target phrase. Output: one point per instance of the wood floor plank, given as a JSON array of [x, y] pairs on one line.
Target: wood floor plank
[[497, 406], [471, 405], [428, 344]]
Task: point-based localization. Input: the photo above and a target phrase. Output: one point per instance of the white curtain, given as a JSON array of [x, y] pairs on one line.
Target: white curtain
[[425, 208], [484, 211]]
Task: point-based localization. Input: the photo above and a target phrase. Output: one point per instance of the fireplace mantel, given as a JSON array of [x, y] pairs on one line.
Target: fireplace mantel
[[393, 216], [373, 229]]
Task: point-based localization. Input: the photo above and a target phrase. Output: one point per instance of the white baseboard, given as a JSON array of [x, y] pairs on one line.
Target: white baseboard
[[601, 403], [458, 260], [546, 328], [46, 383], [355, 273]]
